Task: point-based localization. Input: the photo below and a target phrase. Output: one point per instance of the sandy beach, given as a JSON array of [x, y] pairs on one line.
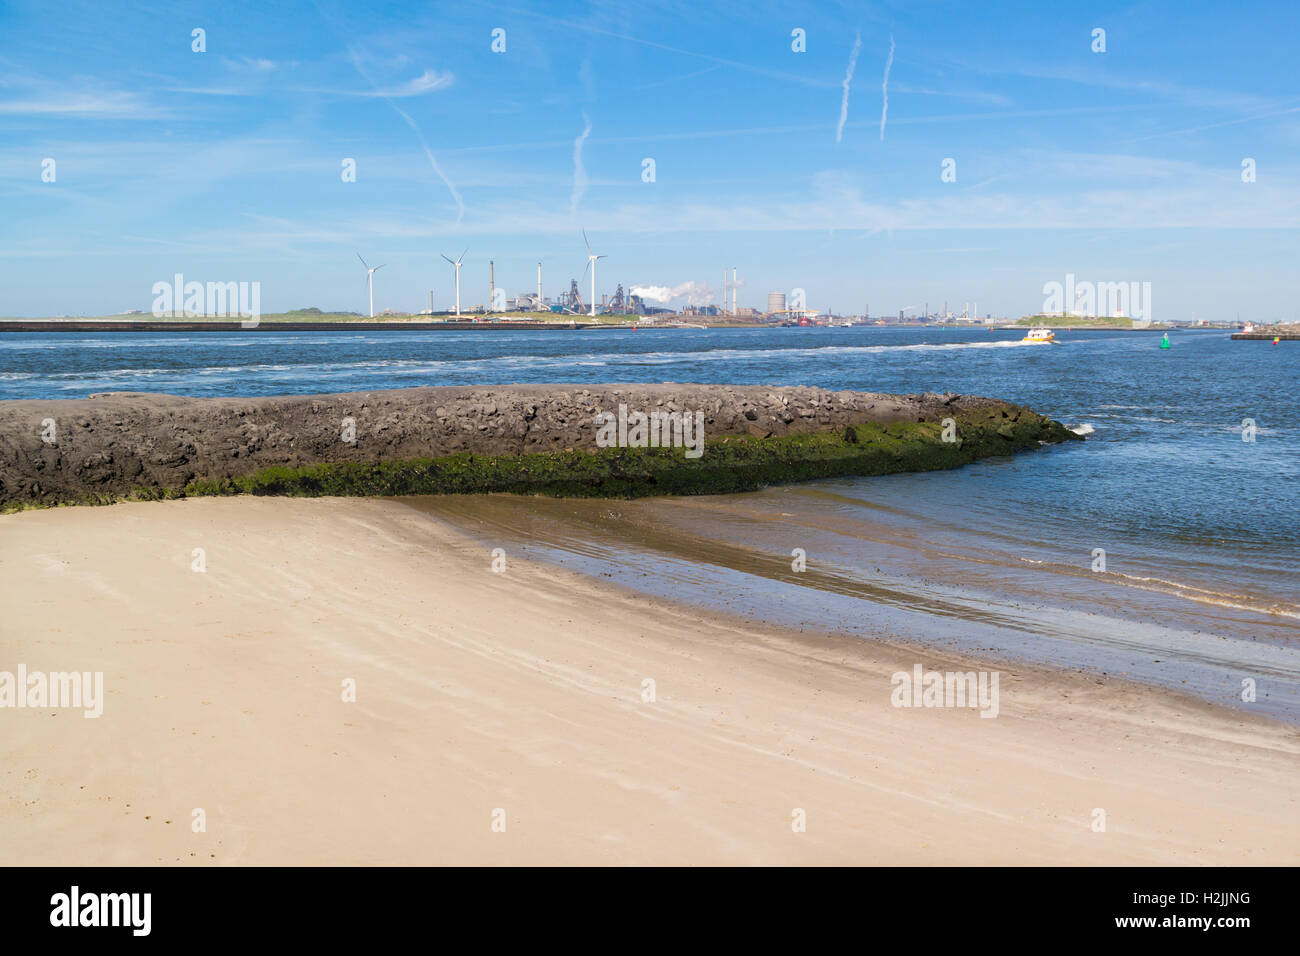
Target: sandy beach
[[518, 697]]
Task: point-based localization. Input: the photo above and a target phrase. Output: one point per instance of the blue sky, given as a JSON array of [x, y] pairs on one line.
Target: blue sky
[[225, 165]]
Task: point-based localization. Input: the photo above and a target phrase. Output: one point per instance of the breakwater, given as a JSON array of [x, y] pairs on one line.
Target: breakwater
[[525, 438]]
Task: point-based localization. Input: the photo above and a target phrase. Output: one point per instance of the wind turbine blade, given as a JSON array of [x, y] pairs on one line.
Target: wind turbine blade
[[584, 239], [363, 261], [450, 261], [602, 257], [584, 271], [377, 268], [462, 255]]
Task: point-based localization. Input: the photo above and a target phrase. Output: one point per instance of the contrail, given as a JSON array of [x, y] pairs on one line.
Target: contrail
[[460, 205], [848, 78], [884, 89], [579, 171]]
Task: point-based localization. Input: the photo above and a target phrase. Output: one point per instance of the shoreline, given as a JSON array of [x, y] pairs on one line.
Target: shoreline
[[223, 693], [215, 325], [680, 323], [903, 645], [731, 553]]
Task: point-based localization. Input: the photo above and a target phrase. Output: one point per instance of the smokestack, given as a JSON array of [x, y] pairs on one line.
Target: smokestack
[[733, 290], [539, 285], [430, 302], [492, 284]]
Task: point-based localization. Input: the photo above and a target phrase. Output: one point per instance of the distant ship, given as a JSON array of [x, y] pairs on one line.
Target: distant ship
[[1039, 336]]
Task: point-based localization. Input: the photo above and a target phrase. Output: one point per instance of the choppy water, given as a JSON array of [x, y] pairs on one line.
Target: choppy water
[[1200, 529]]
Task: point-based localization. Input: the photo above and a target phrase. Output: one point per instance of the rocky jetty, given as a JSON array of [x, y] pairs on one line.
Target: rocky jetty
[[119, 445]]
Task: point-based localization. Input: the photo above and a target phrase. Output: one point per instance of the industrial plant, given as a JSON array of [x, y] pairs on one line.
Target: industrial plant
[[648, 304]]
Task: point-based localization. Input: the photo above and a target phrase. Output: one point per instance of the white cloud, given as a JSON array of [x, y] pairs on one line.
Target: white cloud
[[104, 104], [427, 82], [246, 64]]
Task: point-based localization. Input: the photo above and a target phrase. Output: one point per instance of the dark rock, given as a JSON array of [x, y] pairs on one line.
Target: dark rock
[[134, 440]]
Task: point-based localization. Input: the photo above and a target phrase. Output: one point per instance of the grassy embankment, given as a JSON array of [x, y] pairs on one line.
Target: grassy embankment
[[1077, 321], [316, 315]]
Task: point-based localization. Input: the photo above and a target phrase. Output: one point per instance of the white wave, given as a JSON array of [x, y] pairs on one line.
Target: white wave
[[1084, 429], [1135, 408], [1180, 589]]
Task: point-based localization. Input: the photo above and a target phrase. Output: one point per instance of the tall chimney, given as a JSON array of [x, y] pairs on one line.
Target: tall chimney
[[492, 284]]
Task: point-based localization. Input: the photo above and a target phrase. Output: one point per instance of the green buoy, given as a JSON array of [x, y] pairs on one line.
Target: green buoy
[[1164, 342]]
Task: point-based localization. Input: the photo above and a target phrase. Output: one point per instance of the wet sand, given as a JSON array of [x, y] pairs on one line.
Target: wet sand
[[524, 692], [880, 562]]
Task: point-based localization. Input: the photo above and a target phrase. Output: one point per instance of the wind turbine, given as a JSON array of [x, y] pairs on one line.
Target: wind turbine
[[370, 283], [591, 264], [456, 264]]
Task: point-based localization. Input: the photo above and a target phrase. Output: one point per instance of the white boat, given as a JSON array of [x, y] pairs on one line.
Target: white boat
[[1039, 336]]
